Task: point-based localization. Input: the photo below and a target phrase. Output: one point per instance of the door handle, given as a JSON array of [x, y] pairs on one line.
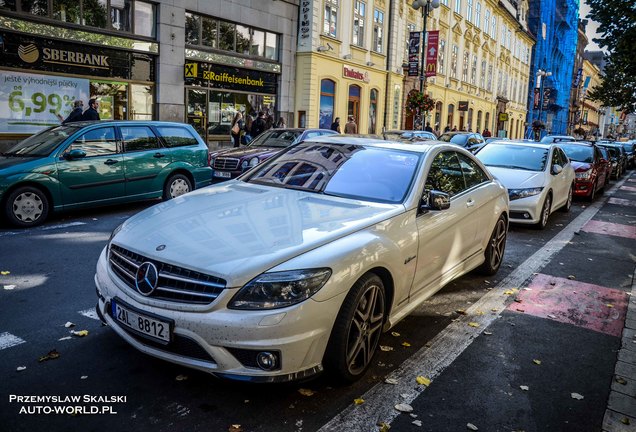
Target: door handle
[[470, 203], [111, 161], [158, 155]]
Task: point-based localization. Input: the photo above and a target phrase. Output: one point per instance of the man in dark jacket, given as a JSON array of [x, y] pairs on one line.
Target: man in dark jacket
[[91, 113], [258, 125], [75, 115]]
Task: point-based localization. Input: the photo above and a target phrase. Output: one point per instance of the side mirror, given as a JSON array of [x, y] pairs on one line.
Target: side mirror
[[557, 169], [75, 154], [435, 200]]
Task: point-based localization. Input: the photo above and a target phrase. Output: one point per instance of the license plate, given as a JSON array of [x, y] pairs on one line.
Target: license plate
[[222, 174], [141, 323]]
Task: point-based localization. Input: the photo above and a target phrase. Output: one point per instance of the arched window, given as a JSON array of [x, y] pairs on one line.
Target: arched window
[[469, 125], [327, 96], [353, 109], [373, 111], [438, 116], [487, 121], [449, 117], [478, 126]]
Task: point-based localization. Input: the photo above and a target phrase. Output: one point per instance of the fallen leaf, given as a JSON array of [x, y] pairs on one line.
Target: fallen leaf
[[20, 368], [479, 313], [551, 316], [385, 348], [609, 305], [518, 300], [524, 388], [4, 272], [384, 427], [84, 377], [52, 355], [521, 310], [576, 396], [461, 311], [246, 401], [571, 277], [69, 324], [404, 408], [235, 428], [494, 310], [417, 423], [359, 401], [80, 333], [65, 338], [181, 377], [537, 362], [620, 380], [527, 289], [9, 287], [406, 344], [510, 292], [590, 259], [413, 415], [391, 381], [423, 381], [306, 392], [486, 281], [471, 427], [487, 333], [625, 421], [404, 395], [396, 334], [473, 324]]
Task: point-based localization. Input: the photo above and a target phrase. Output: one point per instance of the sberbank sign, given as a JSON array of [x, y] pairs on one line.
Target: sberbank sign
[[75, 58], [233, 79]]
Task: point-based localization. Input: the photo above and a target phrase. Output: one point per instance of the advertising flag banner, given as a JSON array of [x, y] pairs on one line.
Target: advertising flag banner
[[537, 97], [577, 79], [414, 53], [431, 53]]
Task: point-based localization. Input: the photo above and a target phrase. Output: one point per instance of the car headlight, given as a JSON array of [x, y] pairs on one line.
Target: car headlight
[[585, 175], [515, 194], [113, 234], [280, 289], [253, 162], [244, 165]]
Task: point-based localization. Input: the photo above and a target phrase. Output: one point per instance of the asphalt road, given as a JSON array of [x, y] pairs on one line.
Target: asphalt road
[[52, 269]]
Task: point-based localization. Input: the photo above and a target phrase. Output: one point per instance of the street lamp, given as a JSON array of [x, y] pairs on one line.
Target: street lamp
[[541, 73], [426, 6]]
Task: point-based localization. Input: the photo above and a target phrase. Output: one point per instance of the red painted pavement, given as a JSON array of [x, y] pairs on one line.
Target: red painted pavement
[[568, 301], [618, 230], [621, 201]]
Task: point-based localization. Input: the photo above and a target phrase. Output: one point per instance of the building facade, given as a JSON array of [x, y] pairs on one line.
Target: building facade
[[196, 62]]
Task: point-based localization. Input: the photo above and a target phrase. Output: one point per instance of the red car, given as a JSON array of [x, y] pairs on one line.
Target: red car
[[590, 167]]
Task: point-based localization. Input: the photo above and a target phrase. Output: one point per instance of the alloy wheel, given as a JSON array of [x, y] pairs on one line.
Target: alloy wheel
[[179, 187], [28, 207], [498, 243]]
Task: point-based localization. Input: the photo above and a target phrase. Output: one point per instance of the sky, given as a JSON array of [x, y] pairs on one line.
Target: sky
[[591, 29]]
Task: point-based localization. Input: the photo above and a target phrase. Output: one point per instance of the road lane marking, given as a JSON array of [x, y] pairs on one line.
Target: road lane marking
[[46, 228], [609, 228], [447, 345], [621, 201], [628, 188], [7, 340], [586, 305], [89, 313]]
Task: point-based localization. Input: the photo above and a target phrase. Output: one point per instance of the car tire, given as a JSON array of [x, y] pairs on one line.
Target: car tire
[[27, 206], [568, 203], [356, 333], [176, 185], [496, 247], [545, 212]]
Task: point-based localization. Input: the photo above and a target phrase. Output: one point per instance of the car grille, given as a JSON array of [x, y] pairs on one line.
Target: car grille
[[176, 284], [229, 164]]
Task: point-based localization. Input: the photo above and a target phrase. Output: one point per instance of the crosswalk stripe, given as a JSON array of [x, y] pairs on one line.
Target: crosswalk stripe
[[7, 340]]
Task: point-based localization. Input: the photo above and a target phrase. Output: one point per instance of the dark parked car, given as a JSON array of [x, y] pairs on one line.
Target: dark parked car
[[471, 141], [413, 135], [231, 163], [630, 151], [618, 159], [590, 167], [87, 164]]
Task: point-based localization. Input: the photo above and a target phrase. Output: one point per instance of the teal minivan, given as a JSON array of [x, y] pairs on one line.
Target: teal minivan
[[87, 164]]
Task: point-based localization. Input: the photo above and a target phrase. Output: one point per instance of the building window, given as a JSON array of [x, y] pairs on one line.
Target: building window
[[499, 81], [378, 30], [505, 85], [487, 21], [465, 67], [445, 2], [478, 126], [482, 78], [487, 121], [327, 97], [208, 32], [454, 56], [508, 38], [503, 35], [373, 111], [449, 117], [331, 18], [458, 6], [145, 19], [120, 14], [359, 10], [470, 120], [409, 28], [469, 10], [440, 55], [473, 72], [478, 15], [493, 28], [489, 88], [353, 107]]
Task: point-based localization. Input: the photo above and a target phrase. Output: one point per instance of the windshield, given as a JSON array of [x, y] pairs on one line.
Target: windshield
[[553, 138], [455, 139], [351, 171], [43, 143], [579, 153], [403, 136], [628, 147], [514, 157], [276, 138]]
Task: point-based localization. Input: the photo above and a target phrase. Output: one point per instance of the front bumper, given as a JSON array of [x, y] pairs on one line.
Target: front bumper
[[583, 188], [220, 340], [526, 210]]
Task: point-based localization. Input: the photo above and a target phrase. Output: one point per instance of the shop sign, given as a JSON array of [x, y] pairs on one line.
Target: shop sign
[[29, 102], [49, 55], [229, 78], [431, 53], [351, 73], [414, 53], [536, 99], [503, 117], [462, 106]]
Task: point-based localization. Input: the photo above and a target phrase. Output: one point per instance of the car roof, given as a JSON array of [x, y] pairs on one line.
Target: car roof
[[419, 146], [81, 124], [527, 143], [458, 133]]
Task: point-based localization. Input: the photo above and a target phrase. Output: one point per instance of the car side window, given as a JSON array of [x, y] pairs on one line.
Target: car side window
[[175, 136], [445, 174], [138, 138], [565, 160], [312, 134], [473, 174], [96, 142], [556, 160]]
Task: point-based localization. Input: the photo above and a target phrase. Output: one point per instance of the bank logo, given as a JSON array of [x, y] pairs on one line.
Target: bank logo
[[29, 53]]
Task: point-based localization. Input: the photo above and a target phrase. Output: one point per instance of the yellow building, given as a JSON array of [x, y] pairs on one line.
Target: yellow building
[[588, 118]]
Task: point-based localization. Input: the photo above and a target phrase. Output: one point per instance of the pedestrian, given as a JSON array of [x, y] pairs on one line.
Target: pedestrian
[[75, 115], [447, 128], [269, 121], [258, 125], [281, 123], [351, 127], [91, 113], [238, 126], [486, 133], [454, 129], [428, 127], [335, 126]]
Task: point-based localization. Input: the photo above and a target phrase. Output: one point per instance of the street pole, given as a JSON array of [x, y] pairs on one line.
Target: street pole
[[425, 5]]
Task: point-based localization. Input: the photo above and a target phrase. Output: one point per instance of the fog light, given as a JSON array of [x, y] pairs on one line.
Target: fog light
[[266, 360]]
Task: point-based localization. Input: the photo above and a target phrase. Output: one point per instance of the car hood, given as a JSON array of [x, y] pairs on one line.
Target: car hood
[[518, 179], [236, 230], [7, 162], [580, 166], [247, 152]]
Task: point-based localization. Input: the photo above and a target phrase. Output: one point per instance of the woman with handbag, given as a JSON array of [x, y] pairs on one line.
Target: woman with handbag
[[238, 125]]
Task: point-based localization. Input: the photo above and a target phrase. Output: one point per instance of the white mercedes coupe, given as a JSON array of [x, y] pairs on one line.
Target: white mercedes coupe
[[301, 263]]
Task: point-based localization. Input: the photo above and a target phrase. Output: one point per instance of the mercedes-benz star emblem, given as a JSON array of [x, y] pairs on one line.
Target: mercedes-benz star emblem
[[147, 278], [160, 248]]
